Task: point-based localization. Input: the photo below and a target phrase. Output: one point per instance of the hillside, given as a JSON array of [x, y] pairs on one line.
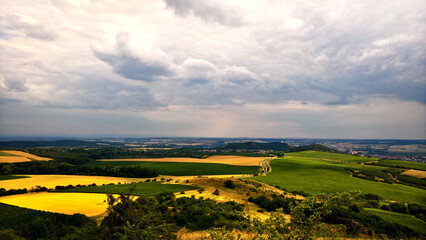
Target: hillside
[[275, 146]]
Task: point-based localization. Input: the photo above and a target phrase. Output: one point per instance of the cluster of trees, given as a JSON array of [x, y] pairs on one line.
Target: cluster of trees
[[274, 202], [39, 167], [161, 216], [313, 147], [4, 192], [412, 209]]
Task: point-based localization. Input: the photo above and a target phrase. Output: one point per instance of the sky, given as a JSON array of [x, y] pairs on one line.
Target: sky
[[273, 69]]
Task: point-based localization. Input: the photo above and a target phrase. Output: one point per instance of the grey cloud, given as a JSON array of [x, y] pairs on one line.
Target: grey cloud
[[128, 65], [206, 10], [103, 94], [29, 26], [15, 84], [342, 60]]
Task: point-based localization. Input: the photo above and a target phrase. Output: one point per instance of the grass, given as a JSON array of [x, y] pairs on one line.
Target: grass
[[9, 177], [315, 176], [8, 154], [331, 156], [402, 219], [184, 169], [142, 189], [13, 216], [402, 164]]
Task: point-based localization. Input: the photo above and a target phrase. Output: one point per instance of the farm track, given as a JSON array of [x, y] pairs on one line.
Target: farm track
[[266, 166]]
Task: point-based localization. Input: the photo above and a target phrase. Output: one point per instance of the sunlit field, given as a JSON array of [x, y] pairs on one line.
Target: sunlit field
[[90, 204], [7, 156], [51, 181]]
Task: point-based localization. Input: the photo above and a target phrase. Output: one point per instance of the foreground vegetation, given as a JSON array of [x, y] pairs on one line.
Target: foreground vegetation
[[162, 216]]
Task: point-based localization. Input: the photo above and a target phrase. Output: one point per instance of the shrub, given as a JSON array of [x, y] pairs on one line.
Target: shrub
[[229, 184], [399, 207], [216, 192]]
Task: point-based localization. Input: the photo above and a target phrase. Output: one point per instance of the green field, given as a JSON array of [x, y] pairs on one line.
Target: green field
[[403, 219], [9, 177], [142, 189], [331, 156], [7, 154], [401, 164], [315, 176], [13, 216], [183, 169]]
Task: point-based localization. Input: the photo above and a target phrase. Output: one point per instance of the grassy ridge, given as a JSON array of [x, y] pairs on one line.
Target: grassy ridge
[[9, 177], [331, 156], [315, 176], [141, 189], [403, 219], [401, 164], [183, 169], [13, 216]]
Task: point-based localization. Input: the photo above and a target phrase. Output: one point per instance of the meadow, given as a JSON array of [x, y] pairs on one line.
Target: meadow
[[331, 156], [141, 189], [401, 164], [402, 219], [183, 169], [222, 159], [314, 176]]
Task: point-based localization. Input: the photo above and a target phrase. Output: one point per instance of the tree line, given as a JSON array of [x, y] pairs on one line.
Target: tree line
[[39, 167]]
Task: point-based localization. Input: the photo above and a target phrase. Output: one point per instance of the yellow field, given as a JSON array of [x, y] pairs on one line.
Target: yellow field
[[231, 160], [90, 204], [415, 173], [20, 157], [13, 159], [51, 181]]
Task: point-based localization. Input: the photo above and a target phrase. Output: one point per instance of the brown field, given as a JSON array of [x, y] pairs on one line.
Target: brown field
[[21, 155], [51, 181], [90, 204], [231, 160], [13, 159], [415, 173]]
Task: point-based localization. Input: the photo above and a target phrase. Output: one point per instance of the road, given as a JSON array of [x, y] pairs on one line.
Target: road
[[265, 166]]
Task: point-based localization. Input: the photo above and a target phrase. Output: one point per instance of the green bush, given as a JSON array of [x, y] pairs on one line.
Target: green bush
[[229, 184]]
